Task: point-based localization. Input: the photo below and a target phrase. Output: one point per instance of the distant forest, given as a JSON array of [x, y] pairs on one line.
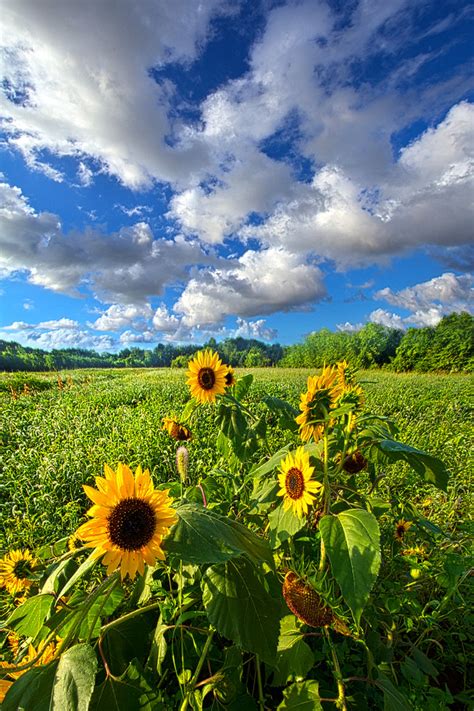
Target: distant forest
[[449, 346]]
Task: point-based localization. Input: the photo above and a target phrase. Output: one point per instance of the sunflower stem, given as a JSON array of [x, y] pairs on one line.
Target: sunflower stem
[[341, 698], [129, 616], [327, 495], [192, 683], [261, 697]]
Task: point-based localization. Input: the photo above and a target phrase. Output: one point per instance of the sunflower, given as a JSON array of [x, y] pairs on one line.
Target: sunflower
[[320, 396], [230, 378], [297, 487], [15, 571], [176, 430], [129, 520], [207, 376], [47, 652], [401, 527], [304, 602]]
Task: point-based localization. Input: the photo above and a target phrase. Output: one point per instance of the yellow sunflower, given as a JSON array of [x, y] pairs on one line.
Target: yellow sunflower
[[297, 486], [176, 430], [206, 376], [129, 520], [320, 396], [401, 527], [47, 654], [15, 571], [230, 378]]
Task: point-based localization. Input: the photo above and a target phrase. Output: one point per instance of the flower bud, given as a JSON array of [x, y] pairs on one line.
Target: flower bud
[[182, 461]]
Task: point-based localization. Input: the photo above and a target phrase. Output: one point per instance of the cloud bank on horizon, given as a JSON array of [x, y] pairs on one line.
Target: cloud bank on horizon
[[173, 170]]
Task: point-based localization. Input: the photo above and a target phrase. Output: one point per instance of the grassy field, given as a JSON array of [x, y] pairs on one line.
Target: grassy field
[[55, 437], [58, 430]]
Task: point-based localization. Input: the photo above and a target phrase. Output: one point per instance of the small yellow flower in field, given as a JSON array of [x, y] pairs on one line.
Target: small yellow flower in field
[[15, 571], [320, 396], [297, 487], [206, 376], [176, 430], [418, 551], [129, 520], [230, 378], [401, 527]]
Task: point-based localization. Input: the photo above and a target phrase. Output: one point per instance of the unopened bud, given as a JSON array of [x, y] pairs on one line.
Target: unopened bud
[[182, 461]]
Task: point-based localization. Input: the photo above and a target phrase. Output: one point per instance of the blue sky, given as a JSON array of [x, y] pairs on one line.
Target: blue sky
[[171, 171]]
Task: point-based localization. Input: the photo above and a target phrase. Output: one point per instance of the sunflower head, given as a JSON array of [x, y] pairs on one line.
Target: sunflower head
[[320, 396], [401, 527], [175, 430], [354, 463], [304, 602], [230, 378], [16, 569], [345, 373], [129, 520], [352, 395], [206, 376], [296, 485]]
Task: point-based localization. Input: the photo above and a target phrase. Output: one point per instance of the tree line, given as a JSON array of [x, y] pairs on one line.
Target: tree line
[[445, 347]]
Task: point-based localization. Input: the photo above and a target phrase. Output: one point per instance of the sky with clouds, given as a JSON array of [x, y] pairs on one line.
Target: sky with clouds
[[173, 170]]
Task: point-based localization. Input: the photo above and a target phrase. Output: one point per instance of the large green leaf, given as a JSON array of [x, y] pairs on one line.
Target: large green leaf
[[352, 540], [430, 468], [128, 639], [91, 618], [286, 413], [294, 656], [238, 603], [302, 696], [32, 691], [75, 679], [242, 386], [283, 525], [393, 699], [130, 692], [28, 619], [204, 536]]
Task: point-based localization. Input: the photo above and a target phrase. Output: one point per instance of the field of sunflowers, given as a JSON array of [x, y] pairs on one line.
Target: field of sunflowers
[[211, 539]]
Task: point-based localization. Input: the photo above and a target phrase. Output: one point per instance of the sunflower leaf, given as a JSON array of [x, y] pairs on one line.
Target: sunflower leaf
[[75, 679], [29, 618], [430, 468], [32, 690], [283, 525], [352, 540], [238, 603], [129, 692], [204, 536], [303, 696]]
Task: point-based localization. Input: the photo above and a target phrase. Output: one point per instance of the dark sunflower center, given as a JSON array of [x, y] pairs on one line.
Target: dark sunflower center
[[22, 568], [131, 524], [294, 483], [401, 531], [229, 379], [206, 378]]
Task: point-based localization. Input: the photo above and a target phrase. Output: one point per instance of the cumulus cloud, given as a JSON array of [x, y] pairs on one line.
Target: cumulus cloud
[[255, 329], [119, 316], [58, 338], [61, 324], [256, 283], [427, 302], [128, 337], [78, 82], [126, 266]]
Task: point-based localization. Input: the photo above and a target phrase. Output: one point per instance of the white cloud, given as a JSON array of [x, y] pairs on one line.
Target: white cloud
[[428, 301], [255, 329], [130, 337], [256, 283], [59, 338], [59, 324], [85, 175], [349, 327], [119, 316]]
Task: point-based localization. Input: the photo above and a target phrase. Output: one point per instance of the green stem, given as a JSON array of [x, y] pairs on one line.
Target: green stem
[[195, 676], [261, 697], [327, 494], [341, 699], [129, 616], [101, 607]]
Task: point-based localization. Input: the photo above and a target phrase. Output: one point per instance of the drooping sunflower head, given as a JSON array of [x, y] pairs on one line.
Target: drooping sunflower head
[[230, 378], [352, 395], [354, 463], [345, 373], [304, 602], [320, 396], [296, 484], [206, 376], [401, 527], [16, 569], [129, 520], [175, 430]]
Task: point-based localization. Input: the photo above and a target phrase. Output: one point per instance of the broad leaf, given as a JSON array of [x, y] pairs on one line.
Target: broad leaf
[[158, 647], [127, 640], [32, 690], [294, 656], [393, 699], [271, 463], [130, 692], [204, 536], [352, 540], [285, 412], [242, 386], [283, 525], [59, 574], [83, 569], [429, 467], [75, 679], [239, 605], [302, 696], [28, 619]]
